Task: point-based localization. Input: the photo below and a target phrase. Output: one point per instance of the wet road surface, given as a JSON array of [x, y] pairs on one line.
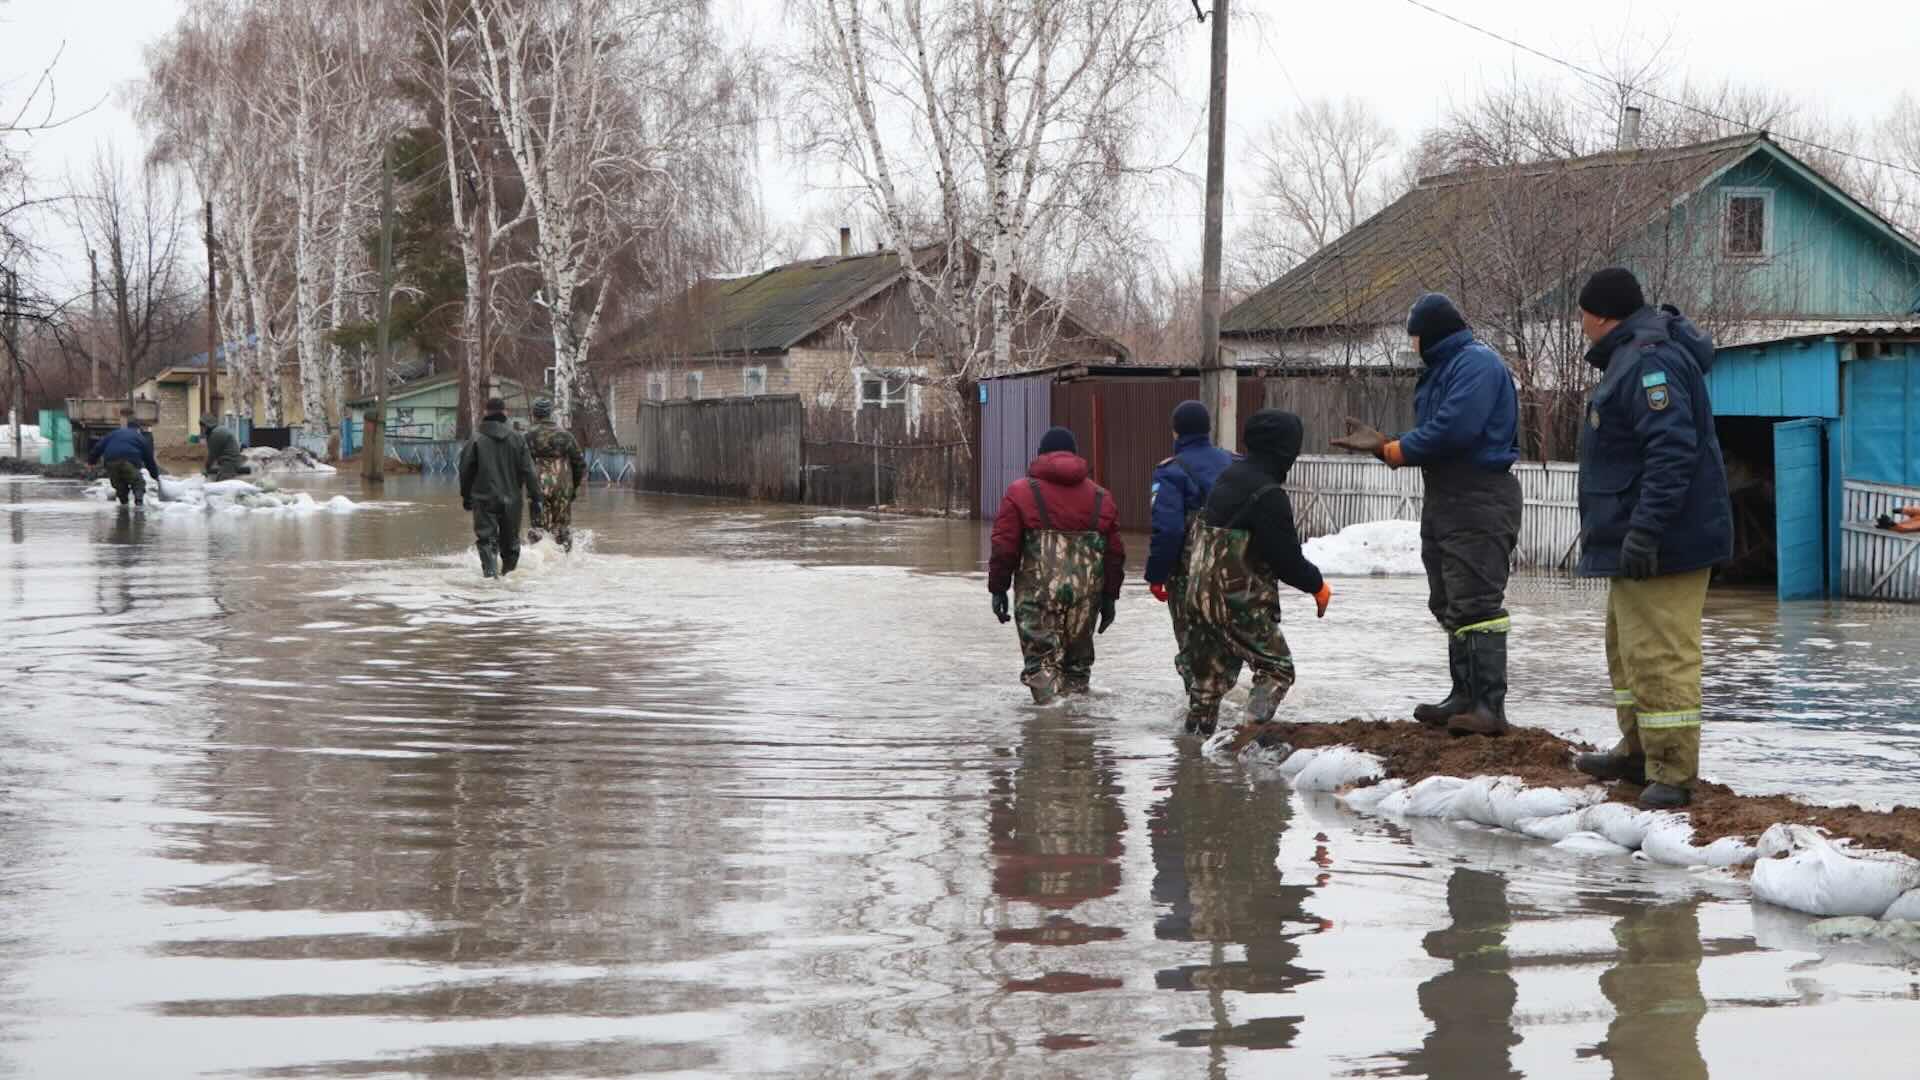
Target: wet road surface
[[740, 790]]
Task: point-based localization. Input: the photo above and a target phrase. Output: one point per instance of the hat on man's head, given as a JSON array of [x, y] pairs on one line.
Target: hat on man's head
[[1056, 440], [1613, 293], [542, 408], [1192, 418]]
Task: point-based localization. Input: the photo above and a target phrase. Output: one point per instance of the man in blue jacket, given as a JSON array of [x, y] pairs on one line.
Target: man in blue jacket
[[1654, 518], [1181, 485], [126, 449], [1465, 443]]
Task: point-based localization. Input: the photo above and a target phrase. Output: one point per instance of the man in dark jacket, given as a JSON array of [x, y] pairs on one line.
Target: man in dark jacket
[[1243, 546], [126, 451], [496, 472], [1056, 543], [1465, 444], [1654, 517], [224, 461], [1181, 485]]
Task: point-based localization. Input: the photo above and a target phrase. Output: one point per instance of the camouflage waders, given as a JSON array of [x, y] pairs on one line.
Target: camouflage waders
[[555, 454], [1056, 596], [1233, 618], [1177, 609], [126, 478]]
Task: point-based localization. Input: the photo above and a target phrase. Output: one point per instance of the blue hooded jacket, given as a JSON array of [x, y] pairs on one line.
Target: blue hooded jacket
[[125, 444], [1181, 485], [1465, 407], [1649, 455]]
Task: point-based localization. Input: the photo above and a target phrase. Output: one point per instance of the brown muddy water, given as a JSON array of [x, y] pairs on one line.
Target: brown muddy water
[[736, 791]]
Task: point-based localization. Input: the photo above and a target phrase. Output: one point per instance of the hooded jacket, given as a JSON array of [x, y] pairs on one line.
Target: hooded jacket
[[1466, 408], [1064, 483], [1181, 485], [1649, 455], [223, 451], [1273, 442], [495, 465], [127, 443]]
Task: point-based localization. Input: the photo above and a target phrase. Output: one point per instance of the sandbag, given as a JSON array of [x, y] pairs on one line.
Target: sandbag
[[1217, 743], [1669, 840], [1371, 796], [1434, 797], [1618, 822], [1551, 829], [1335, 768], [1821, 877], [1476, 801], [1395, 804], [1298, 761], [1907, 907], [1590, 844]]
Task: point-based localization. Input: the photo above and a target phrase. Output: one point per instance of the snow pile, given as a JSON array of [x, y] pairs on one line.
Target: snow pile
[[197, 494], [294, 459], [30, 441], [1371, 547]]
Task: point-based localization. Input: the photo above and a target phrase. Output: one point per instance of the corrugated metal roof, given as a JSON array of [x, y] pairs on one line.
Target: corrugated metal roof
[[1765, 333], [1372, 274]]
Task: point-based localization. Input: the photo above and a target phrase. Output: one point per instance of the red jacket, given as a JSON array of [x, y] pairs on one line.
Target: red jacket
[[1069, 495]]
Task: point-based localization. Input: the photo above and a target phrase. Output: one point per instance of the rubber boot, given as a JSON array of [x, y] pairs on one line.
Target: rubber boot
[[489, 563], [1613, 766], [509, 560], [1438, 714], [1045, 687], [1487, 682], [1665, 797], [1201, 721], [1263, 702]]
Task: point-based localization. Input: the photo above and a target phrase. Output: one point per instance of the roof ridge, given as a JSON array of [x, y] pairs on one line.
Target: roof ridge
[[1604, 159]]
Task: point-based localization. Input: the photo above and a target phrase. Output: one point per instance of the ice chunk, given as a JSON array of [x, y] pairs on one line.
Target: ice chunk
[[1618, 822], [1434, 797], [1669, 840], [1371, 796], [1907, 907], [1554, 829], [1338, 767], [1591, 844], [1821, 877]]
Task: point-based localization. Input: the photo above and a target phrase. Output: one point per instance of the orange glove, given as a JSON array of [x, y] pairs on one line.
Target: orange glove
[[1159, 592], [1322, 599]]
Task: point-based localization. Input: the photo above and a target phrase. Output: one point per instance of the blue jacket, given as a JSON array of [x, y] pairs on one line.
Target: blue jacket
[[126, 444], [1649, 456], [1465, 407], [1181, 485]]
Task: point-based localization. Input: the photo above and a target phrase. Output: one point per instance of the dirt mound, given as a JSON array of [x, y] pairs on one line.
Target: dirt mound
[[1542, 759]]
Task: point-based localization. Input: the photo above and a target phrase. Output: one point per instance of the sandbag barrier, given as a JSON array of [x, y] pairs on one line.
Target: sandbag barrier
[[1793, 866]]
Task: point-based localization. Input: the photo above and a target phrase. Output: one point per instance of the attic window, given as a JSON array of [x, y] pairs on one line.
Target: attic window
[[1749, 223]]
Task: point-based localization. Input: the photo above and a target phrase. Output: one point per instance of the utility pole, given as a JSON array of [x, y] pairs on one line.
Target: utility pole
[[213, 332], [1218, 384], [11, 327], [93, 350], [374, 439]]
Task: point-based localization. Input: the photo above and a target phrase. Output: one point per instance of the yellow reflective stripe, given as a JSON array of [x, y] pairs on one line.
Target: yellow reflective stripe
[[1492, 626], [1623, 697], [1655, 720]]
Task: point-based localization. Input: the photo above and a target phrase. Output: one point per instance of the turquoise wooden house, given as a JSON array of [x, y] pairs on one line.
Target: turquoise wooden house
[[425, 410]]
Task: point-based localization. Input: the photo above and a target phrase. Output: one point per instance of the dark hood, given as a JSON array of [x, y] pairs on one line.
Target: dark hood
[[1062, 467], [1654, 323], [495, 428], [1274, 437]]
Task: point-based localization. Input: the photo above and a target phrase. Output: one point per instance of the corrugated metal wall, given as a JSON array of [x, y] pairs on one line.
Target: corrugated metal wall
[[1125, 428], [1794, 379], [1013, 416], [1876, 564]]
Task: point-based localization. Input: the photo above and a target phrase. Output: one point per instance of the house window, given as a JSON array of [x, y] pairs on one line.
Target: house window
[[1749, 223], [885, 393], [656, 388], [695, 380], [753, 381]]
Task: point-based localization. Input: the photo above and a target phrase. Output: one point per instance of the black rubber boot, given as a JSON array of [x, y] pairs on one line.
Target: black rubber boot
[[509, 560], [489, 563], [1201, 723], [1665, 797], [1612, 767], [1487, 682], [1437, 715]]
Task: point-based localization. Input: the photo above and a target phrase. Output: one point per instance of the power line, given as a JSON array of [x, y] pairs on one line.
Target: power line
[[1617, 84]]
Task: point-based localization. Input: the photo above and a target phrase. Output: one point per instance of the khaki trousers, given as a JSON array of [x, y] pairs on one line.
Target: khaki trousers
[[1653, 655]]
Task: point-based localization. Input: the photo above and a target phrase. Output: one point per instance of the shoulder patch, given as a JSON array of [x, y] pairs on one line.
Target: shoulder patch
[[1657, 397], [1655, 378]]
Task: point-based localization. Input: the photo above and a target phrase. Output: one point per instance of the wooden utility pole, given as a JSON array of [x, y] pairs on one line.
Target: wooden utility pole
[[213, 329], [374, 437], [10, 328], [1218, 385], [93, 352]]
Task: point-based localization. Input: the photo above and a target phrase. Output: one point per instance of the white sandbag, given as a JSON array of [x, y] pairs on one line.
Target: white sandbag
[[1396, 803], [1551, 829], [1821, 877], [1475, 802], [1669, 840], [1271, 756], [1906, 908], [1297, 761], [1618, 822], [1370, 797], [1338, 767], [1218, 742], [1590, 844], [1547, 802], [1434, 797]]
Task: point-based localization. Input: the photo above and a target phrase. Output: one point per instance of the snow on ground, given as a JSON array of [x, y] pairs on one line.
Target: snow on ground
[[30, 441], [195, 494], [294, 459], [1371, 547]]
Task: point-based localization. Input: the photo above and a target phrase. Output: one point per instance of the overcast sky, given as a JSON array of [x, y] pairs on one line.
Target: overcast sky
[[1846, 57]]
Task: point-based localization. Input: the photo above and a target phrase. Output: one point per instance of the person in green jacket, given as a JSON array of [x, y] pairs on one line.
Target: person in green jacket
[[224, 461], [496, 472]]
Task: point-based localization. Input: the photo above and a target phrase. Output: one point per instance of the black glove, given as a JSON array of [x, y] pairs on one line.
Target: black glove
[[1106, 613], [1640, 555], [466, 503], [1000, 608]]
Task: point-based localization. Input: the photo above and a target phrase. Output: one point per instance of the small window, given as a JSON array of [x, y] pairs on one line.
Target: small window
[[694, 381], [882, 392], [656, 388], [753, 381], [1749, 224]]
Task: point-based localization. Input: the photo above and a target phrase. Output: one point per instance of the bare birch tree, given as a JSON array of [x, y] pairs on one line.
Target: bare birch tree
[[1322, 169], [134, 217]]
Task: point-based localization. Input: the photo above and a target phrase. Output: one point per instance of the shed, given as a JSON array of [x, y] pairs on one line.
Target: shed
[[1821, 428], [427, 409]]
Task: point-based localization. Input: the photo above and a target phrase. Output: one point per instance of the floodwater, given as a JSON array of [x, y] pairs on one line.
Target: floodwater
[[737, 791]]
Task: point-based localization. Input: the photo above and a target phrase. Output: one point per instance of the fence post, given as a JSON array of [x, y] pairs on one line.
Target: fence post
[[946, 491], [876, 467]]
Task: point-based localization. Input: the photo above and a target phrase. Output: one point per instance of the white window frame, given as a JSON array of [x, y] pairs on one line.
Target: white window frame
[[696, 383], [888, 398], [657, 386], [747, 375], [1765, 195]]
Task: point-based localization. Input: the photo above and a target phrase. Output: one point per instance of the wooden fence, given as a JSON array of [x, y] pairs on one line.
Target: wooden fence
[[746, 448], [1331, 492], [1876, 564]]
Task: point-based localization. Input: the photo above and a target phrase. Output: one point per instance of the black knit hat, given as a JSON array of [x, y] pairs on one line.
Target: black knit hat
[[1056, 440], [1192, 418], [1613, 293], [1434, 318]]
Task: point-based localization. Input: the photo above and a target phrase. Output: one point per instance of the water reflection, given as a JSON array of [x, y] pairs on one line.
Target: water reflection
[[1471, 1003], [1654, 987]]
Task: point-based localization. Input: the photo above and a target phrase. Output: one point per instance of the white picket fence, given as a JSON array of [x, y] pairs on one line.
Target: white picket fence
[[1331, 492]]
